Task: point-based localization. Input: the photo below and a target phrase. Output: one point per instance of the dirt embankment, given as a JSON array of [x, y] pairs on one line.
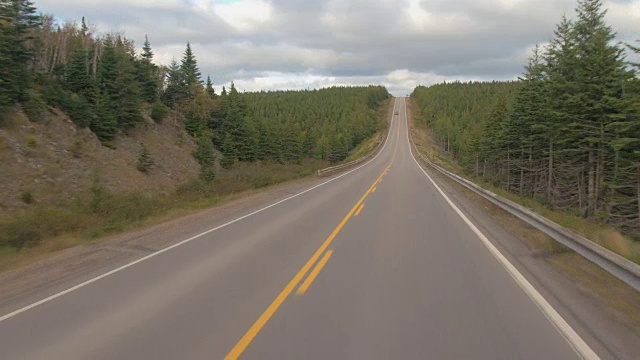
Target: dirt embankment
[[56, 162]]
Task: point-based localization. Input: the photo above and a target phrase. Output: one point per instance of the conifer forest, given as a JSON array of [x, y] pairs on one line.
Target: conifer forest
[[102, 82], [566, 133]]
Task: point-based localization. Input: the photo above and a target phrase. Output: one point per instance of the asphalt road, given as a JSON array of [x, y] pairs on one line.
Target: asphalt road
[[375, 264]]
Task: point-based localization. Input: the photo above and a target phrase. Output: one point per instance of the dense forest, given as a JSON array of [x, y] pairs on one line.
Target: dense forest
[[567, 133], [104, 83]]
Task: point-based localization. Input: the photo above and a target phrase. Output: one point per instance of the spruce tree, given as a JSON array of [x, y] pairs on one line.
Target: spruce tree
[[600, 73], [189, 68], [105, 123], [19, 17], [77, 78], [117, 80], [175, 91], [6, 78], [209, 88], [229, 153], [146, 73], [147, 53]]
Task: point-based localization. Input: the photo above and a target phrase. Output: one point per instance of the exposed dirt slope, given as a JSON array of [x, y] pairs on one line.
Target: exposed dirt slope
[[57, 162]]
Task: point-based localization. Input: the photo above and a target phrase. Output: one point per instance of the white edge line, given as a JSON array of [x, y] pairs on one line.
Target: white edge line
[[567, 332], [147, 257]]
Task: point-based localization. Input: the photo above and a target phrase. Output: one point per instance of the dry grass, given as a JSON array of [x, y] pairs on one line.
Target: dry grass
[[29, 235]]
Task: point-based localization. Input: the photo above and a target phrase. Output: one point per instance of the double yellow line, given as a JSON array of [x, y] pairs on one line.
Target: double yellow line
[[244, 342]]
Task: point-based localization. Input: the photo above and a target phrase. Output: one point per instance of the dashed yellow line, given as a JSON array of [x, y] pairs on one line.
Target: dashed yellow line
[[246, 339], [314, 273], [359, 210]]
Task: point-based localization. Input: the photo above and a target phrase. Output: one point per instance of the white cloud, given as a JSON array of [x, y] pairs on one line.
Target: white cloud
[[290, 43], [244, 15]]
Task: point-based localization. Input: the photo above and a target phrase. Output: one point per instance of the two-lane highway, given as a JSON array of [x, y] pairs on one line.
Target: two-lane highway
[[374, 264]]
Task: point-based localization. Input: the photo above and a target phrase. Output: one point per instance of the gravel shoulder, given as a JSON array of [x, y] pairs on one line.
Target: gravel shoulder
[[61, 270]]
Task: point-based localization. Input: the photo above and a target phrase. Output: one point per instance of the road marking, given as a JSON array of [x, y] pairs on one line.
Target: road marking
[[374, 189], [314, 273], [185, 241], [573, 339], [246, 339], [359, 210]]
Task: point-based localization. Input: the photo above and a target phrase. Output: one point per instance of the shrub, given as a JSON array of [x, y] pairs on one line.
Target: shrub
[[144, 161], [159, 111], [32, 142], [34, 107], [27, 197], [205, 156]]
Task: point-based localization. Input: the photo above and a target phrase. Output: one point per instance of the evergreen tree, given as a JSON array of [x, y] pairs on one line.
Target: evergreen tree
[[147, 53], [77, 78], [117, 80], [189, 68], [175, 91], [147, 74], [18, 18], [600, 73], [209, 88], [205, 155], [229, 153], [104, 124]]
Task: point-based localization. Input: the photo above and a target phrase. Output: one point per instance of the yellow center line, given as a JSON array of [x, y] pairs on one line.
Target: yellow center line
[[246, 339], [314, 273], [359, 210], [374, 189]]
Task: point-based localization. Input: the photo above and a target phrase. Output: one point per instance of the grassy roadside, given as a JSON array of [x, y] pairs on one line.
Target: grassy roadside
[[590, 278], [602, 234], [42, 230], [30, 235]]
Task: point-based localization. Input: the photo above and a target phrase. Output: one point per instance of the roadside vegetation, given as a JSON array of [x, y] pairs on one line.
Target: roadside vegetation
[[563, 140], [104, 83]]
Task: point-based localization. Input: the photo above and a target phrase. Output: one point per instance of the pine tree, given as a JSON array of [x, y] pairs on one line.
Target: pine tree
[[209, 88], [117, 80], [147, 53], [205, 155], [77, 78], [147, 74], [19, 17], [175, 91], [6, 78], [189, 68], [105, 123], [600, 73], [84, 29], [229, 153]]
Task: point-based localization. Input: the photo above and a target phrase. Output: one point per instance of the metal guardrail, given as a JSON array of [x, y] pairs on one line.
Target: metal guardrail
[[620, 267]]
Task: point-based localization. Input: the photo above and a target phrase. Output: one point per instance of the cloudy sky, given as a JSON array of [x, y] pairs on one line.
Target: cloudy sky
[[285, 44]]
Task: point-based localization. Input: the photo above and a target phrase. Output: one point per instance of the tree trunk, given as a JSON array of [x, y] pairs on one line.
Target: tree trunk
[[638, 194], [508, 169], [477, 165], [580, 175], [550, 173], [521, 171], [591, 185]]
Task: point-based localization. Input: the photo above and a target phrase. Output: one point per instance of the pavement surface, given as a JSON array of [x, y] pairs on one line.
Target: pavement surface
[[375, 263]]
